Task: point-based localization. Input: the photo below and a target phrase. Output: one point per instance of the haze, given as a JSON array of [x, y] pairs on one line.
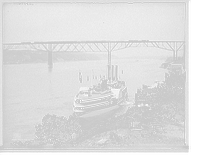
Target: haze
[[77, 22]]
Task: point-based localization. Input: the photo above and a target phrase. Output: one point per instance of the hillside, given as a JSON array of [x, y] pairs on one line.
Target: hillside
[[25, 56]]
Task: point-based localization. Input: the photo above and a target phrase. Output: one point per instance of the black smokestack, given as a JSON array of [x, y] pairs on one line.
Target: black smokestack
[[113, 72], [116, 72], [108, 72]]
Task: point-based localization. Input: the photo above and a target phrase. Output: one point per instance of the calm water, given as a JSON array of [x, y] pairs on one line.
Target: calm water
[[31, 91]]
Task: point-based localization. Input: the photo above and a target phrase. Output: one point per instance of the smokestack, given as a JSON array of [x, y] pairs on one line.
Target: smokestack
[[113, 72], [108, 72], [116, 72]]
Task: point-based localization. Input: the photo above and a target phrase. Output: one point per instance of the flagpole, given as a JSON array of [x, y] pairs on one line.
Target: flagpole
[[80, 76], [91, 77]]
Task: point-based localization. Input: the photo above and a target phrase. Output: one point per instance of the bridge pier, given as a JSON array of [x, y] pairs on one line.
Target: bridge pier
[[109, 63], [175, 52], [50, 56], [96, 46], [175, 55]]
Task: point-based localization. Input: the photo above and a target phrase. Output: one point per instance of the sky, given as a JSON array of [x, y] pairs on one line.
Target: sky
[[78, 22]]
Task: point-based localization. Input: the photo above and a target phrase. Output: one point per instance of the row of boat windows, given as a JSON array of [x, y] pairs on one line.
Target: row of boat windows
[[82, 108], [120, 83], [92, 92], [96, 100], [106, 104]]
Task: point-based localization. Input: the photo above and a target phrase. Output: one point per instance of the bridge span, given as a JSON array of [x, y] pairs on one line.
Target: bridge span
[[95, 46]]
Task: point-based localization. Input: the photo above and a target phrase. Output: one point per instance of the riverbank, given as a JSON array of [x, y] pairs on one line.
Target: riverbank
[[116, 135]]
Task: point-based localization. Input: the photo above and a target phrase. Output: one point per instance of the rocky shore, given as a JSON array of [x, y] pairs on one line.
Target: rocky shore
[[117, 135]]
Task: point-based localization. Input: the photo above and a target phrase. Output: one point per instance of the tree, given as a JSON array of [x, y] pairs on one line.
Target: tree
[[55, 130], [170, 98]]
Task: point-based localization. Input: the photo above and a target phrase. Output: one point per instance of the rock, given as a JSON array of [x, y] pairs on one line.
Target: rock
[[145, 134], [114, 136], [102, 141], [158, 128], [124, 137], [155, 120]]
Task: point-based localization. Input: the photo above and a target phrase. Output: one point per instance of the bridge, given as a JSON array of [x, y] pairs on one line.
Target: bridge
[[95, 46]]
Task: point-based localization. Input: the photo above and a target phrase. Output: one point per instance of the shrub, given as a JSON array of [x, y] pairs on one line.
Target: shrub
[[136, 111], [55, 130], [171, 98]]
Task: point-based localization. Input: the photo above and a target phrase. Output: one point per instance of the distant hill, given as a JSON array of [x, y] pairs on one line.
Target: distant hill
[[25, 56]]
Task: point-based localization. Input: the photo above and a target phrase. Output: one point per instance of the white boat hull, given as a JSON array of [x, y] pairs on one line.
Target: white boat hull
[[101, 107], [90, 103]]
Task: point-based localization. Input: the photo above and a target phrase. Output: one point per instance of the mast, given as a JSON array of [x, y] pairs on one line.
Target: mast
[[109, 63]]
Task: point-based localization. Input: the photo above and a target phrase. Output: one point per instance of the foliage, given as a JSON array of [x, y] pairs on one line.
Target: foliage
[[137, 111], [132, 111], [170, 98], [55, 130]]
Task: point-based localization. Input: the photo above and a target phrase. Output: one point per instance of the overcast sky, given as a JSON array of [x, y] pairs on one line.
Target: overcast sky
[[60, 22]]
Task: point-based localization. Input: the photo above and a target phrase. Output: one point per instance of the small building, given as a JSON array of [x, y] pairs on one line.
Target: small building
[[177, 67], [164, 65], [144, 96]]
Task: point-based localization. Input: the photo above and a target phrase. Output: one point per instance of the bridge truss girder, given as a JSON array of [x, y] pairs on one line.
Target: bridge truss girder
[[94, 46]]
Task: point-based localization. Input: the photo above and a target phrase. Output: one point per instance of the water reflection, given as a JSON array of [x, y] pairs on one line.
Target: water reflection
[[50, 69]]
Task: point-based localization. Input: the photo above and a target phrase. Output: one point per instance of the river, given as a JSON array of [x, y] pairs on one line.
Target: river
[[32, 91]]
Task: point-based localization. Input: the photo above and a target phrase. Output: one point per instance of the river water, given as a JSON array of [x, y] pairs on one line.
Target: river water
[[32, 91]]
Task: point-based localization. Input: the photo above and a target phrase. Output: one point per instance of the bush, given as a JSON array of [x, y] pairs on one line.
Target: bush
[[136, 111], [55, 130], [170, 99]]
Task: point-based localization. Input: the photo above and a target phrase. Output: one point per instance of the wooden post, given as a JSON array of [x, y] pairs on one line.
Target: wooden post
[[50, 56]]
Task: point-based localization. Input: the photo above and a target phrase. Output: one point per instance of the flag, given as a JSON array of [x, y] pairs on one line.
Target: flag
[[80, 77]]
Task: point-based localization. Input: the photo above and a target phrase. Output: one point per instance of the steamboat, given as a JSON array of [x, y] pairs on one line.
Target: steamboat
[[108, 95]]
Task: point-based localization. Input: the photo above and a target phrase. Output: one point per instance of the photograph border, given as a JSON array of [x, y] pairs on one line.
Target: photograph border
[[146, 149]]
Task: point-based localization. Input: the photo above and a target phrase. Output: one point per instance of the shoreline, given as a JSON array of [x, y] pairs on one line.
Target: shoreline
[[114, 133], [99, 136]]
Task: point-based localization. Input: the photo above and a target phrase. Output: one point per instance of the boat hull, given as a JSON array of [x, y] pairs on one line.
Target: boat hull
[[91, 103], [103, 107]]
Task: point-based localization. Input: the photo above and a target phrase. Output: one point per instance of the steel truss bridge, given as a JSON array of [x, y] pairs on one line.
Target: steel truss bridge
[[94, 46]]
